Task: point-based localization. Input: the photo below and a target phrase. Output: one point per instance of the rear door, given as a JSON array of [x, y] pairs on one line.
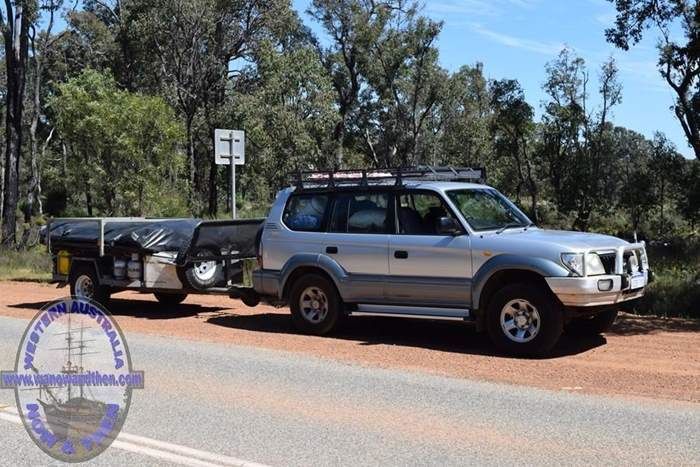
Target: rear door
[[427, 268], [358, 240]]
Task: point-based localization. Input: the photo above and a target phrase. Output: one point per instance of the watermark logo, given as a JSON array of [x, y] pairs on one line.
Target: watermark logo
[[73, 379]]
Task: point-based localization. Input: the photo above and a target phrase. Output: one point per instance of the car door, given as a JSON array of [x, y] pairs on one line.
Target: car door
[[358, 240], [427, 268]]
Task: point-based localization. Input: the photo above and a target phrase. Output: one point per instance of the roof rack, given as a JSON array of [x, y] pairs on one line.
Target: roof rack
[[325, 179]]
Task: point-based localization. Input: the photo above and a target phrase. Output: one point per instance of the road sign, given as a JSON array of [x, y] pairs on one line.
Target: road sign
[[229, 149], [229, 145]]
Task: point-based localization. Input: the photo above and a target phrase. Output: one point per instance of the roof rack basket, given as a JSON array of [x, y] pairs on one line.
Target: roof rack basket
[[325, 179]]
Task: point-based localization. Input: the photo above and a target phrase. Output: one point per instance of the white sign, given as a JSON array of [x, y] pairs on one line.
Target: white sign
[[229, 146]]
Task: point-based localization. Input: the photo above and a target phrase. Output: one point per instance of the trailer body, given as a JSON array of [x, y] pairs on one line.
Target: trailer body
[[154, 255]]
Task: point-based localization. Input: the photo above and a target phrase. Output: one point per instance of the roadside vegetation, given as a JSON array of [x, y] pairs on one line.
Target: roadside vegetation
[[31, 264]]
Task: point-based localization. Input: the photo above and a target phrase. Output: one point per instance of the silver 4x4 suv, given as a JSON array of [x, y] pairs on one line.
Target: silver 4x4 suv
[[425, 244]]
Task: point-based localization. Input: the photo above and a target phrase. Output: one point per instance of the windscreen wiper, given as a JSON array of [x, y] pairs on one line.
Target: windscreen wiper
[[510, 225]]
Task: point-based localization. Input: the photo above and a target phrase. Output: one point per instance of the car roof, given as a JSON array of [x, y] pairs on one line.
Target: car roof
[[443, 186], [407, 184]]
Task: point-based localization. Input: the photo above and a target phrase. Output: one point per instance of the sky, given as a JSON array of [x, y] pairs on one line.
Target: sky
[[516, 38]]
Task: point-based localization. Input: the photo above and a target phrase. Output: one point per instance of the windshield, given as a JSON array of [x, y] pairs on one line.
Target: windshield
[[487, 209]]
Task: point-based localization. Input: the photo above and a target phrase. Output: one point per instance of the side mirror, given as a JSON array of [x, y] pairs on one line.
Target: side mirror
[[449, 226]]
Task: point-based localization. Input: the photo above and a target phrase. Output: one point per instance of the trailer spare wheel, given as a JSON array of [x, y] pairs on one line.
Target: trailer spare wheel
[[206, 273]]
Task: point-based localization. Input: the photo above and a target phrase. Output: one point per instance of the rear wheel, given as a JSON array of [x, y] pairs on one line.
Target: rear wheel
[[524, 320], [315, 304], [170, 298], [84, 283], [602, 322]]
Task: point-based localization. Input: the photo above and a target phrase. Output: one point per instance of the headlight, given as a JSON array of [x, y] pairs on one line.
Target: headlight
[[594, 266], [574, 262]]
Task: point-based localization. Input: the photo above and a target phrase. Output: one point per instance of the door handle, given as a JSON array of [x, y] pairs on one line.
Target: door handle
[[332, 250], [400, 254]]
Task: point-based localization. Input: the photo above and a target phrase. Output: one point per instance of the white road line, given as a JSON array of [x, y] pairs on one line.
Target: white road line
[[157, 449]]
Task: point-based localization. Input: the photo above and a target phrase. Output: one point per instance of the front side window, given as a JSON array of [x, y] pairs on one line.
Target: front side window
[[487, 209], [305, 212], [420, 213], [361, 213]]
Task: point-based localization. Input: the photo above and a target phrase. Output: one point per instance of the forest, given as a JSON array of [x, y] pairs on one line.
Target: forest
[[109, 109]]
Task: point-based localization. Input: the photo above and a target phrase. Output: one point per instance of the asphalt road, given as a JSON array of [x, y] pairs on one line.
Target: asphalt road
[[220, 404]]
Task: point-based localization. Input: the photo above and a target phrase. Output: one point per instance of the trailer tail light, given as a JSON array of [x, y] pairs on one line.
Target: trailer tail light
[[63, 263]]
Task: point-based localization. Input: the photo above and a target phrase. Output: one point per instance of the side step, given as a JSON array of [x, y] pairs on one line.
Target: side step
[[394, 311]]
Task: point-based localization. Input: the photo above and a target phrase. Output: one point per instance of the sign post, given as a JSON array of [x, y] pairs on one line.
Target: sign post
[[229, 149]]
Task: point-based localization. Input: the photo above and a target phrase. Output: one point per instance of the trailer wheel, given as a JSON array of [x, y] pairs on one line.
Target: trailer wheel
[[170, 299], [202, 275], [84, 283]]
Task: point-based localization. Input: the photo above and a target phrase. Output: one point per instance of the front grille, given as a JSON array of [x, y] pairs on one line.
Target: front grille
[[630, 265], [608, 260]]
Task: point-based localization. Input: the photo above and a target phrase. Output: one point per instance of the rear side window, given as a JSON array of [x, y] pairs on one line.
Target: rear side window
[[361, 213], [306, 212]]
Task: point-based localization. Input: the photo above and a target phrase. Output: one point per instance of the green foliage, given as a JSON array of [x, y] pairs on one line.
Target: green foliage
[[123, 146], [676, 24], [28, 264], [675, 290]]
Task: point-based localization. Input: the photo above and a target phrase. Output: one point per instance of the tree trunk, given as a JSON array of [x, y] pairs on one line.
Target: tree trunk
[[339, 138], [34, 190], [533, 199], [2, 175], [190, 159], [16, 51], [213, 191]]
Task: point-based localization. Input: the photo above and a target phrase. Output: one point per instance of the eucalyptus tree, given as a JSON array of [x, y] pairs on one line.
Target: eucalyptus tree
[[679, 54], [405, 86], [41, 42], [576, 138], [197, 45], [354, 27], [512, 129], [123, 153], [463, 121], [286, 104], [15, 21]]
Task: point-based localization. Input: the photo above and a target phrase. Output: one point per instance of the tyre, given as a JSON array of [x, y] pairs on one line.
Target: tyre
[[170, 298], [202, 275], [315, 304], [592, 325], [524, 320], [84, 283]]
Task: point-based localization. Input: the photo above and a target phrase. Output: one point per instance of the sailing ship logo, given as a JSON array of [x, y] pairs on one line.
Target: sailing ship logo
[[73, 379]]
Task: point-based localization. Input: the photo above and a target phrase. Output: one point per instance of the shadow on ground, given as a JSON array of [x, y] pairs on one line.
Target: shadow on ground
[[434, 335], [368, 331], [140, 308], [633, 324]]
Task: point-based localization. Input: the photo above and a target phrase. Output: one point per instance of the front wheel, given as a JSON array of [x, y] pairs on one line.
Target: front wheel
[[524, 320], [315, 304]]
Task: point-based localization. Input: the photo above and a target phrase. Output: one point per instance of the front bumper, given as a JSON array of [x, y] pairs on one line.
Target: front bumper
[[592, 290]]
